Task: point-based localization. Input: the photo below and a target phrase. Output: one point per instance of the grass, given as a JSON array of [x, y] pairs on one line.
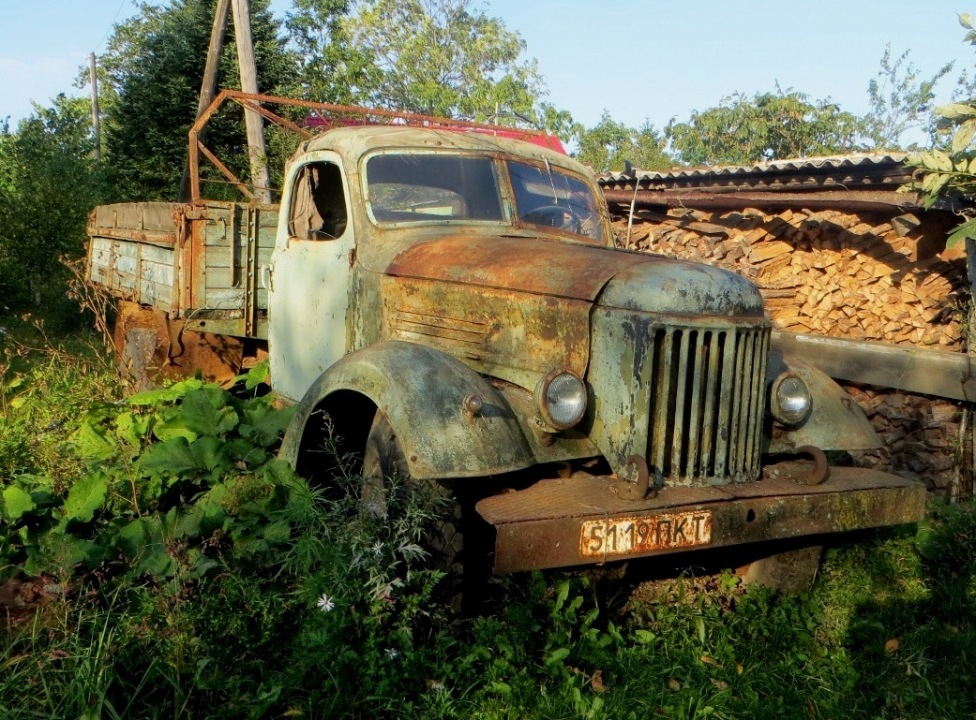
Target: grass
[[331, 615]]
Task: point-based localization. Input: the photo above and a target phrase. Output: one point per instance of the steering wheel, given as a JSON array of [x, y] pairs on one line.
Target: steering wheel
[[555, 216]]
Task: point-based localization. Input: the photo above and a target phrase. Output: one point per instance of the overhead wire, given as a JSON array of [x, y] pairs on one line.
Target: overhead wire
[[112, 25]]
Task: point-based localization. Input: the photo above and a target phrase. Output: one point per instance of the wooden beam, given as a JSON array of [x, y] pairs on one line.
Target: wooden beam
[[916, 370], [249, 84], [209, 85], [867, 200], [96, 121]]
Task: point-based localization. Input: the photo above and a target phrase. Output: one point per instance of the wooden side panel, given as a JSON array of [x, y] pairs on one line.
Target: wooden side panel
[[238, 243], [220, 273], [221, 243], [135, 271], [156, 276], [153, 217]]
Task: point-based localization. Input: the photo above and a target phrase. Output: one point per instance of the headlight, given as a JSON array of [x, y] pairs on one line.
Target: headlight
[[562, 399], [790, 401]]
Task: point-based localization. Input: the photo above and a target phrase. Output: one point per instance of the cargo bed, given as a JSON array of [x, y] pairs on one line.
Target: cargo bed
[[201, 263]]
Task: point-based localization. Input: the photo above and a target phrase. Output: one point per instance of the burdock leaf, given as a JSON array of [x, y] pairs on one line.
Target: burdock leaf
[[16, 502], [202, 417], [85, 497]]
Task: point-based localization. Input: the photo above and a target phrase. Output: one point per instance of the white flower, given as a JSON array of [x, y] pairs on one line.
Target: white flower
[[392, 653], [377, 547], [326, 604]]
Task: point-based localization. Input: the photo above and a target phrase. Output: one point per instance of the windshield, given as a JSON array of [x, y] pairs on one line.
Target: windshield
[[548, 197], [423, 187], [405, 187]]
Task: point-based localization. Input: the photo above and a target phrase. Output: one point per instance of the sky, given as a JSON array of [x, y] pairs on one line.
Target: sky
[[649, 60]]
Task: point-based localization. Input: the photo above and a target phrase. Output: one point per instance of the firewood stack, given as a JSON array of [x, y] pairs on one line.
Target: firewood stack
[[921, 434], [857, 276], [825, 272]]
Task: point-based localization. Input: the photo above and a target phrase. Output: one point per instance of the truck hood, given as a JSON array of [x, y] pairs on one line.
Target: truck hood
[[601, 275]]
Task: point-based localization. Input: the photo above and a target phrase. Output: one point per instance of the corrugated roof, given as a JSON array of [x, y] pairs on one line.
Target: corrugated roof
[[857, 170]]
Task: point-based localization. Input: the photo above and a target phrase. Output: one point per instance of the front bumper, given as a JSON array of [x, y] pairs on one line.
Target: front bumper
[[565, 522]]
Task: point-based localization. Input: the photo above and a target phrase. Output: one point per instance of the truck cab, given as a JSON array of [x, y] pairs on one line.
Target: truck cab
[[357, 198]]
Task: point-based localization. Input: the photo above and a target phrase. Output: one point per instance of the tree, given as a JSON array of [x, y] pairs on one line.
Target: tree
[[900, 101], [608, 144], [444, 57], [49, 183], [152, 74], [950, 172], [768, 126], [330, 68], [558, 122]]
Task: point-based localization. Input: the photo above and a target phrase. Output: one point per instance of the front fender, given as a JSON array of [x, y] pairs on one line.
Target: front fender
[[836, 422], [422, 392]]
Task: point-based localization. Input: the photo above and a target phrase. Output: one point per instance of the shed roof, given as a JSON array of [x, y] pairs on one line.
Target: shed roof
[[864, 181], [888, 170]]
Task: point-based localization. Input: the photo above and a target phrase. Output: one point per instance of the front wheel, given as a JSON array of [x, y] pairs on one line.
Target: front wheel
[[388, 487]]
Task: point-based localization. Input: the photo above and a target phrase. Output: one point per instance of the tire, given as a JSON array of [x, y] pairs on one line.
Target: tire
[[386, 478], [789, 571]]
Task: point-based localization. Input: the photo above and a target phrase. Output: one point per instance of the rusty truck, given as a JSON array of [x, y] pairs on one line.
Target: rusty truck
[[453, 306]]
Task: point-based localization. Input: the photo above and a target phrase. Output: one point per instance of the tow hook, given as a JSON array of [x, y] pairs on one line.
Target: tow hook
[[634, 488], [821, 470]]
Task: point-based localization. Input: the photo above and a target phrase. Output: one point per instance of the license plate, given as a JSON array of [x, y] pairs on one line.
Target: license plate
[[637, 535]]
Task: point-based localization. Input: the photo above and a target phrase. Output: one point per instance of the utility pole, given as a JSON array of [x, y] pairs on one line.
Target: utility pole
[[96, 124], [208, 88], [249, 84]]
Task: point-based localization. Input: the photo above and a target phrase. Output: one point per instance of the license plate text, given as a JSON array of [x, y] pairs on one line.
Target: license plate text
[[635, 535]]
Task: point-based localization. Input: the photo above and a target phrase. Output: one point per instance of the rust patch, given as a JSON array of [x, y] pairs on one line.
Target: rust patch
[[498, 330], [193, 262], [150, 346], [531, 265]]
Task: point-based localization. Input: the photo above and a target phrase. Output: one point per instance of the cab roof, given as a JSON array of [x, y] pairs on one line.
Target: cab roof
[[354, 142]]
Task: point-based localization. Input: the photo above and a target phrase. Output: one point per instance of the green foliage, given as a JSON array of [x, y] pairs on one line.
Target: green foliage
[[943, 173], [331, 68], [768, 126], [558, 122], [443, 57], [168, 469], [49, 182], [900, 101], [608, 144], [191, 550], [42, 393], [950, 172], [152, 72]]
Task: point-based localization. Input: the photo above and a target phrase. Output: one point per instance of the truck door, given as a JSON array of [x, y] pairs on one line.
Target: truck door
[[309, 275]]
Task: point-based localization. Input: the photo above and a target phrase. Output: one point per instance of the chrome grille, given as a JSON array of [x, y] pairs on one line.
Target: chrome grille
[[707, 403]]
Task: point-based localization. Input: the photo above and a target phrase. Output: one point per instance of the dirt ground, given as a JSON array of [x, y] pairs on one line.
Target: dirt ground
[[21, 599]]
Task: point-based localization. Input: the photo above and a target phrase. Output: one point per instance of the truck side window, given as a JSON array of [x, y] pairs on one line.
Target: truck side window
[[318, 208]]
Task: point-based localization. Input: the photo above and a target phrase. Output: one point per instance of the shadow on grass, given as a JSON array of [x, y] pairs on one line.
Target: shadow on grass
[[903, 610]]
